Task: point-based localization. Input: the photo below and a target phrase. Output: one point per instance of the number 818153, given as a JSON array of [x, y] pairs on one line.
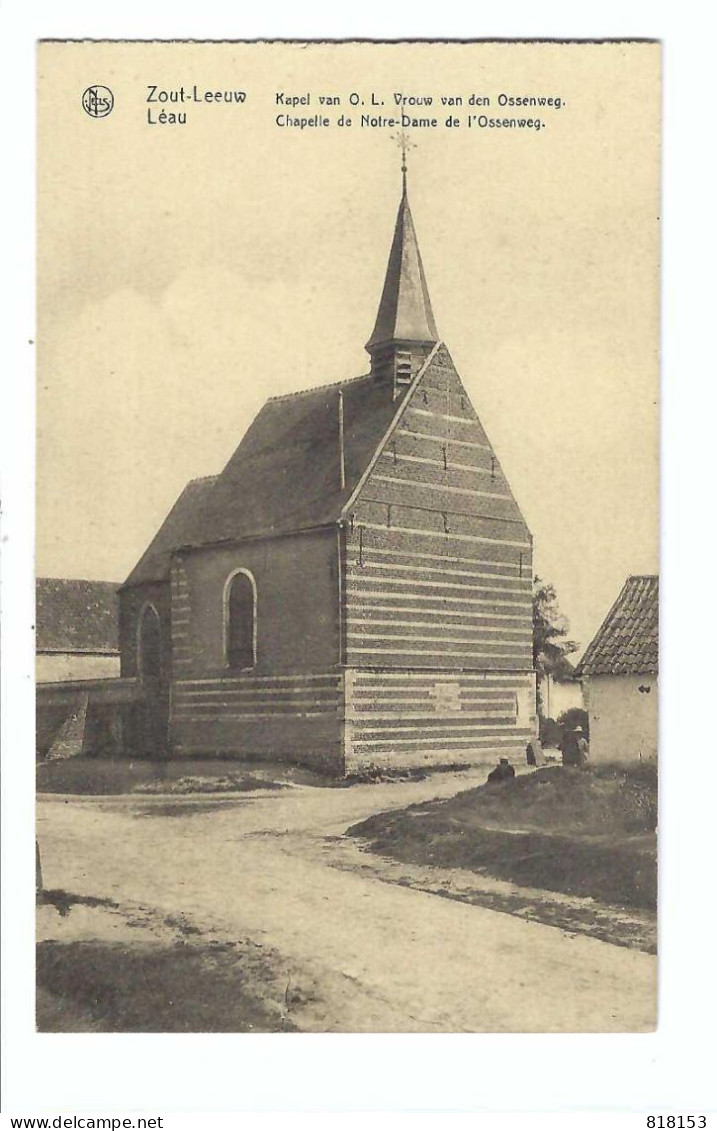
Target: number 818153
[[660, 1122]]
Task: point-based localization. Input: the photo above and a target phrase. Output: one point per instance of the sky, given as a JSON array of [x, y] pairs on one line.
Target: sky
[[188, 272]]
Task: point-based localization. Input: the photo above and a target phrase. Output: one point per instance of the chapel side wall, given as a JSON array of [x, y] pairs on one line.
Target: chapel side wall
[[144, 723], [297, 604], [623, 718], [289, 706], [438, 593]]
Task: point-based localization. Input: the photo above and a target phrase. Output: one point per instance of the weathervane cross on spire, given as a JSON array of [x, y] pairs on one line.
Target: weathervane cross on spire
[[403, 141]]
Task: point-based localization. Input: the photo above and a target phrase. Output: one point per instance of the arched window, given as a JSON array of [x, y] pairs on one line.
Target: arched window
[[240, 620], [149, 645]]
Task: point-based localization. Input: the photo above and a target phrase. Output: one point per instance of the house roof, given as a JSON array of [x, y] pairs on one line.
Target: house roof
[[404, 312], [76, 616], [563, 671], [179, 527], [627, 640]]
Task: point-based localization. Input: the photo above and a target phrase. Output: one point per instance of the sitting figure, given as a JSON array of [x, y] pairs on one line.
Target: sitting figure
[[502, 772]]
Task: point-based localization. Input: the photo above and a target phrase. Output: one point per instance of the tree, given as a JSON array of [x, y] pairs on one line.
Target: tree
[[551, 647]]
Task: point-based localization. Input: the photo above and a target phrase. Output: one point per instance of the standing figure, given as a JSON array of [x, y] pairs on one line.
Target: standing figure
[[574, 747], [534, 752], [582, 748]]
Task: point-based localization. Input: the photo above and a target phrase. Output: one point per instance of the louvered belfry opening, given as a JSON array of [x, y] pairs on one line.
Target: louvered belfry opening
[[398, 363], [405, 330]]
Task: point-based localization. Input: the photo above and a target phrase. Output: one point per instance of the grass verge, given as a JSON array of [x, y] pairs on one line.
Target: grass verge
[[581, 833], [104, 968], [99, 777]]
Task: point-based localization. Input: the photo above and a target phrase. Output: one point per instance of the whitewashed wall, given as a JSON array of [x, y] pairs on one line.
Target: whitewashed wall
[[559, 697], [623, 719], [57, 666]]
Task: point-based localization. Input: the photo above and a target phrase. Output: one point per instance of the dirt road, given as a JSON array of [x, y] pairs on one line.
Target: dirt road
[[378, 957]]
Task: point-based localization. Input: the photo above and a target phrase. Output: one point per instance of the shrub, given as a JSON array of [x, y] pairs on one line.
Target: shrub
[[550, 732], [574, 717]]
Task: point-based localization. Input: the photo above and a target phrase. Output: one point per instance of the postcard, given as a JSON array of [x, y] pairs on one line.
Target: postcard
[[347, 536]]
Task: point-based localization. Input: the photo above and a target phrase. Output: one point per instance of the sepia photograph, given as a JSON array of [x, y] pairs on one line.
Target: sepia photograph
[[347, 536]]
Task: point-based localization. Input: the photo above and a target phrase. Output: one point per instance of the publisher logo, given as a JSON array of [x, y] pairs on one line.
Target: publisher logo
[[97, 101]]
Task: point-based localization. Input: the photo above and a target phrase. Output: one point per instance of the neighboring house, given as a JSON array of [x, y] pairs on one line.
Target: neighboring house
[[619, 675], [560, 693], [76, 630], [355, 587], [81, 703], [77, 668]]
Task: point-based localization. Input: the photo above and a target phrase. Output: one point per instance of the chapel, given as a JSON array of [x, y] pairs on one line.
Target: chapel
[[353, 590]]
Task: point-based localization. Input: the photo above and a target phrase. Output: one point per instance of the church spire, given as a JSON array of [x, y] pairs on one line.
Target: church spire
[[405, 330]]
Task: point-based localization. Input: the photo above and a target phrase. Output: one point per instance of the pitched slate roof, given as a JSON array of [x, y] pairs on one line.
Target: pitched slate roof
[[285, 474], [179, 527], [627, 640], [76, 616], [283, 477]]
